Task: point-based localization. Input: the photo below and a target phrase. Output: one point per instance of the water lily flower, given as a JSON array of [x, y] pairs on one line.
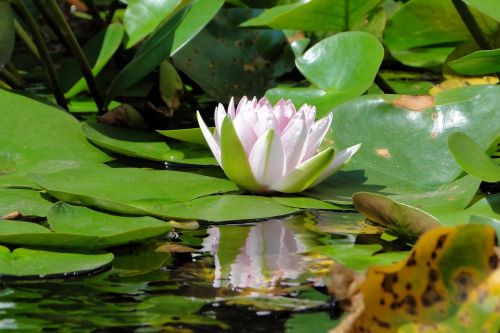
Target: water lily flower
[[266, 148]]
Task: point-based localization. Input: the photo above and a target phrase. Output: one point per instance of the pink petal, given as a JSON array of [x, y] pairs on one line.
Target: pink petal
[[293, 140], [316, 135], [340, 159], [243, 101], [266, 120], [245, 132], [231, 111], [267, 159], [211, 141], [310, 113]]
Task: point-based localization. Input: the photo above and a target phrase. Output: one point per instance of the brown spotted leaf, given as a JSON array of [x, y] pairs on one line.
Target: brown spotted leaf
[[448, 269]]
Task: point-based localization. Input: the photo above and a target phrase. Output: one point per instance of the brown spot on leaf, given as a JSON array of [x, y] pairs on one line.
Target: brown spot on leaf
[[493, 261], [414, 103], [383, 152], [12, 216], [297, 36], [463, 282]]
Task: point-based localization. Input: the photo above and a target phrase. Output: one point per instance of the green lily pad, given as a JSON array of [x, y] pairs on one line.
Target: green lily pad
[[53, 135], [114, 189], [472, 158], [404, 221], [359, 257], [28, 202], [134, 143], [408, 151], [478, 63], [217, 208], [32, 264], [274, 303], [488, 7], [308, 203], [190, 135], [75, 227]]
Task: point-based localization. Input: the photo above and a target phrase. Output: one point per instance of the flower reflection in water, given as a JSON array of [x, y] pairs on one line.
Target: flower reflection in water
[[259, 256]]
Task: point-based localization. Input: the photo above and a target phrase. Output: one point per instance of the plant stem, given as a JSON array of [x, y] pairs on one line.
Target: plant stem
[[383, 85], [77, 52], [47, 15], [44, 53], [26, 39], [14, 72], [12, 78], [472, 25]]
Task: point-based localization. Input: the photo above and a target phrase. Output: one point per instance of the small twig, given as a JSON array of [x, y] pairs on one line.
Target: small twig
[[26, 39], [44, 53], [77, 52], [383, 85], [472, 25]]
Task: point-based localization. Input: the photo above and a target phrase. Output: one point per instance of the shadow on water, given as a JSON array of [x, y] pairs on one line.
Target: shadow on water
[[149, 290]]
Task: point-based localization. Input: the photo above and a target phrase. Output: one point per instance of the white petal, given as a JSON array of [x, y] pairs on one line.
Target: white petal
[[293, 140], [340, 159], [243, 101], [316, 135], [231, 111], [219, 115], [310, 113], [212, 142], [266, 120], [267, 159]]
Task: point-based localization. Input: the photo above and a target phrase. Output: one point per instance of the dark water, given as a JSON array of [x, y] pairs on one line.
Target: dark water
[[150, 289]]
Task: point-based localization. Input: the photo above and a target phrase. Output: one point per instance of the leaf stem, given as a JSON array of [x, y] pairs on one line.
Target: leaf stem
[[383, 85], [94, 12], [472, 25], [15, 73], [77, 52], [26, 39], [10, 77], [43, 52]]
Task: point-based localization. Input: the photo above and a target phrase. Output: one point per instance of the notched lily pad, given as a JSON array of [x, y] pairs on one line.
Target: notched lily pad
[[34, 264], [81, 228]]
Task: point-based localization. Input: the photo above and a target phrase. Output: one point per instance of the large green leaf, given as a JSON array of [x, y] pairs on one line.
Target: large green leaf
[[73, 227], [190, 135], [315, 15], [488, 7], [405, 146], [134, 143], [229, 61], [217, 208], [101, 48], [344, 62], [114, 189], [25, 263], [37, 133], [472, 158], [478, 63], [27, 202], [143, 16], [169, 38], [7, 33]]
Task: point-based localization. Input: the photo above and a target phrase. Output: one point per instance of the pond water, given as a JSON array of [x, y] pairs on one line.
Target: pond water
[[198, 281]]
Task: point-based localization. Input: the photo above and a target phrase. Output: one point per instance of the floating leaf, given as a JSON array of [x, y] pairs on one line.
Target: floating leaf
[[33, 264], [402, 220], [190, 135], [478, 63], [134, 143], [488, 7], [308, 203], [52, 135], [217, 208], [408, 153], [115, 189], [274, 303], [472, 158], [27, 202], [74, 227]]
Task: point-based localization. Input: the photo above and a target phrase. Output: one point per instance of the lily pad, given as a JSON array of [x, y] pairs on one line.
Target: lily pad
[[401, 220], [191, 135], [75, 227], [115, 189], [27, 202], [217, 208], [309, 203], [472, 158], [53, 135], [409, 150], [34, 264], [478, 63], [134, 143]]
